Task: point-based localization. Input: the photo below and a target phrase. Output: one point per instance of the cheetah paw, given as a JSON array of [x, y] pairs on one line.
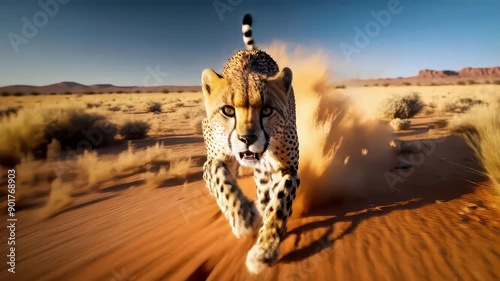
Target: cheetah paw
[[259, 258], [247, 228]]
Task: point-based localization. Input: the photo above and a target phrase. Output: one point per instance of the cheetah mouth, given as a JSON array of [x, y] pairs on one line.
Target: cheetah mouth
[[248, 155]]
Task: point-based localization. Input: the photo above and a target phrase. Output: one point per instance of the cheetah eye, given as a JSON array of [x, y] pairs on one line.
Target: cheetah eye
[[228, 111], [267, 111]]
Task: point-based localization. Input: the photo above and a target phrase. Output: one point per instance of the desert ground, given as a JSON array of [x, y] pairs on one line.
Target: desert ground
[[411, 201]]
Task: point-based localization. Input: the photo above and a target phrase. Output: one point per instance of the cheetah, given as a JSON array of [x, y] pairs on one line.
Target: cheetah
[[250, 121]]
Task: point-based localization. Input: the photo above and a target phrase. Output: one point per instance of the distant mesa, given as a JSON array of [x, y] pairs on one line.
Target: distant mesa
[[466, 72], [480, 72], [432, 74]]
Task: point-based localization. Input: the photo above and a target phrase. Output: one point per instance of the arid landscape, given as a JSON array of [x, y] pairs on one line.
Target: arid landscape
[[398, 183]]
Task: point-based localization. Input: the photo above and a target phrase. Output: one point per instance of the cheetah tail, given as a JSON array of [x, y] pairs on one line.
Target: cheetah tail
[[246, 29]]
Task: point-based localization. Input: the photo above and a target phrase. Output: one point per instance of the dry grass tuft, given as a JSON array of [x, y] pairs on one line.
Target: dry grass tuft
[[481, 127], [60, 198]]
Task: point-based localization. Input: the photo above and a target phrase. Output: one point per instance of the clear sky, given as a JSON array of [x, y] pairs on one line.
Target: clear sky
[[121, 42]]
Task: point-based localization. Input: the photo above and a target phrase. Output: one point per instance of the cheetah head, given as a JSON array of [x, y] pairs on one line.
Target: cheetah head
[[247, 111]]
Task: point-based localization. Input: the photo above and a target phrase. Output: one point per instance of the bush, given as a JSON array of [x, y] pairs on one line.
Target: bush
[[52, 94], [5, 94], [461, 83], [472, 82], [402, 107], [406, 83], [77, 129], [400, 124], [67, 93], [133, 130], [35, 93], [89, 93], [154, 107], [496, 82], [165, 91], [386, 84], [18, 94], [340, 87]]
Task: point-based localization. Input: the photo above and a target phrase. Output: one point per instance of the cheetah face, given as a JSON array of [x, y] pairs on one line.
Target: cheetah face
[[246, 111]]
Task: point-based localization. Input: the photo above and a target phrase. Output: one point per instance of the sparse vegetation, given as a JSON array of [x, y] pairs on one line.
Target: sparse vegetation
[[471, 82], [340, 87], [402, 107], [386, 84], [133, 130], [461, 83], [406, 83], [5, 94]]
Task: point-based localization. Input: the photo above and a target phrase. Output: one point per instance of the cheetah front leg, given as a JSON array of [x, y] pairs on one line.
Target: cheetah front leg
[[276, 214], [239, 210]]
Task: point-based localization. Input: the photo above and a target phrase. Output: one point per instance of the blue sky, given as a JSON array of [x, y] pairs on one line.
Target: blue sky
[[112, 41]]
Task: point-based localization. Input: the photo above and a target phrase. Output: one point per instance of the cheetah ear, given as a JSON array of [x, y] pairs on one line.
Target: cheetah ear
[[284, 79], [209, 81]]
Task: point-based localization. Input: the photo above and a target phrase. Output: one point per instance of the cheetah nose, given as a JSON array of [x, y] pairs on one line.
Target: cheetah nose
[[248, 139]]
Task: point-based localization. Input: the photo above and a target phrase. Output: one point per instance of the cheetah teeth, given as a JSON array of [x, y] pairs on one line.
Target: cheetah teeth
[[248, 155]]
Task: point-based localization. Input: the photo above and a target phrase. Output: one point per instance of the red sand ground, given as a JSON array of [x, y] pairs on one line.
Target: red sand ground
[[442, 224]]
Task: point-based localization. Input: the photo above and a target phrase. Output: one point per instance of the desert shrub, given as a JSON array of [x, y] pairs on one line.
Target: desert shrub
[[18, 94], [340, 87], [376, 85], [21, 134], [89, 93], [366, 85], [386, 84], [5, 94], [67, 93], [480, 127], [165, 91], [472, 82], [461, 83], [133, 130], [138, 91], [179, 104], [434, 84], [400, 124], [114, 108], [407, 83], [402, 107], [52, 93], [119, 92], [35, 93], [154, 107], [496, 82], [77, 129]]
